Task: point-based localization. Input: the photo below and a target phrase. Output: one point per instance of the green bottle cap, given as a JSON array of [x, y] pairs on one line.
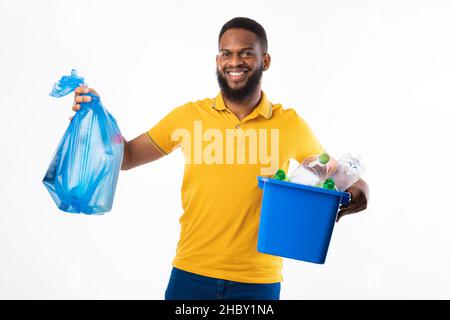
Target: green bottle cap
[[328, 184], [324, 158], [280, 175]]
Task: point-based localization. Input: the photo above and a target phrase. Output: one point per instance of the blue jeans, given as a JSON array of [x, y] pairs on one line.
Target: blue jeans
[[185, 285]]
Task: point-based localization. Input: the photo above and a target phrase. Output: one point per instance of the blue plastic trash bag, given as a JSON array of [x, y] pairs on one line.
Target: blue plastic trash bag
[[82, 176]]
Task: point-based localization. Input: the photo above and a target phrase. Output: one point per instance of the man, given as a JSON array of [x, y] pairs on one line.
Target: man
[[227, 142]]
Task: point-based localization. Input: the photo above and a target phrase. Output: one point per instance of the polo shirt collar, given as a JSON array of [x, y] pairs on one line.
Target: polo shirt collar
[[263, 108]]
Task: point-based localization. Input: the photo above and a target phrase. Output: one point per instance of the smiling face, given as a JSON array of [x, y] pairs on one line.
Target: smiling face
[[240, 64]]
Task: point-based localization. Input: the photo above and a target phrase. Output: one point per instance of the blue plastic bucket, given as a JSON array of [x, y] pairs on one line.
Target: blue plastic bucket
[[296, 220]]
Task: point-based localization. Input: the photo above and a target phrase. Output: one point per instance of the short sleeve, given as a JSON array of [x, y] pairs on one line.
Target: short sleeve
[[307, 142], [160, 134]]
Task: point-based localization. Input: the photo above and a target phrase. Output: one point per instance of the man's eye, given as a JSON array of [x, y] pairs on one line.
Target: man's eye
[[224, 54], [247, 53]]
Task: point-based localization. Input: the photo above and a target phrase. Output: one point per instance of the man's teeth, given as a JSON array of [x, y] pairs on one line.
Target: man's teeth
[[236, 73]]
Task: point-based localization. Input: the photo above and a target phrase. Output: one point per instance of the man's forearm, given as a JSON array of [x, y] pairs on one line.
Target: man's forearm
[[138, 152], [126, 154]]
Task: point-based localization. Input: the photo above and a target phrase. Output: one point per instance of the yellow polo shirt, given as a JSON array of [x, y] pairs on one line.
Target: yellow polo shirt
[[220, 195]]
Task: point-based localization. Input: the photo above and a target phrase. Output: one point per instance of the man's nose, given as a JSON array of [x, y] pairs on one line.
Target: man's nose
[[236, 60]]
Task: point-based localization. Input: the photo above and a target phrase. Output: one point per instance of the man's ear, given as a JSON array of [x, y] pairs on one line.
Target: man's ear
[[266, 61]]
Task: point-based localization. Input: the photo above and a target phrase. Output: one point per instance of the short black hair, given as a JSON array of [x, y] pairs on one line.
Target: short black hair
[[247, 24]]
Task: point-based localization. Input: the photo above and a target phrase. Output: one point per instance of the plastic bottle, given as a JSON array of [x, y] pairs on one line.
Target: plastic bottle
[[348, 171], [328, 184], [313, 170], [280, 175]]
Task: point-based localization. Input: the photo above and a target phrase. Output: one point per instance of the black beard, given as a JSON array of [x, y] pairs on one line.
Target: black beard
[[241, 94]]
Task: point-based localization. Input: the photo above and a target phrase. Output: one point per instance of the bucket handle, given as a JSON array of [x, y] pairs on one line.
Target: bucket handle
[[345, 200]]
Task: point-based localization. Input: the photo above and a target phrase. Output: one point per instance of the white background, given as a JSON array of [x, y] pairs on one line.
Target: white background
[[370, 77]]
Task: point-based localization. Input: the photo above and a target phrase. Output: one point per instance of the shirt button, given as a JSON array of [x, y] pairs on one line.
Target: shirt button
[[237, 126]]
